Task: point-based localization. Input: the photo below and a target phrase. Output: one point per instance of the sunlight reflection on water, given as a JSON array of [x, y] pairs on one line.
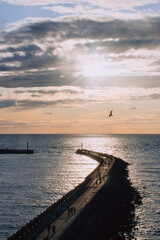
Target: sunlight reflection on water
[[30, 183]]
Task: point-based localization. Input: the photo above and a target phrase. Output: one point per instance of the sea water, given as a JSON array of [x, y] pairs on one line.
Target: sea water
[[31, 183]]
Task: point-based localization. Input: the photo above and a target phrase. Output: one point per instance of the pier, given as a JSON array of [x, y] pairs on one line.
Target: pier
[[58, 223], [17, 151]]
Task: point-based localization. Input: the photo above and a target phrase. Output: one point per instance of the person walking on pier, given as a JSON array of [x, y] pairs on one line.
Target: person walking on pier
[[49, 230], [45, 238], [71, 212], [53, 229]]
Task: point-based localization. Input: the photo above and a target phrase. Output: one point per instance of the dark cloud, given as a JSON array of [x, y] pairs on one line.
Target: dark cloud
[[11, 124], [120, 46], [86, 29], [29, 104], [49, 113], [36, 79], [19, 92], [154, 96], [66, 102], [157, 62], [6, 68], [23, 54], [50, 78], [50, 92], [27, 48], [7, 103], [35, 95], [61, 102], [133, 108], [28, 62]]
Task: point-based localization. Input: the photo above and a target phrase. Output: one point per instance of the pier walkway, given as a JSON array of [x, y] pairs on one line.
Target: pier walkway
[[97, 178], [57, 214]]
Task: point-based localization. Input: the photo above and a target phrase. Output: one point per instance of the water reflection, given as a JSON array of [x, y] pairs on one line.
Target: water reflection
[[31, 183]]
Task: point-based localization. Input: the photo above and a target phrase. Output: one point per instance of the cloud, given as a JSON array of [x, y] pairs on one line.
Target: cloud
[[38, 54], [84, 98], [37, 79], [28, 62], [35, 95], [27, 48], [52, 79], [117, 4], [10, 124], [80, 28], [115, 9], [51, 92], [29, 104], [133, 108], [48, 113], [7, 103], [121, 46], [154, 96]]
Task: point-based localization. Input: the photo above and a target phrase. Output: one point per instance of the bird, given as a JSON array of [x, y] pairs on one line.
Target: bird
[[110, 115]]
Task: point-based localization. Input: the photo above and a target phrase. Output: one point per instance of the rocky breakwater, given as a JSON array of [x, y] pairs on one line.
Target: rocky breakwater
[[111, 213]]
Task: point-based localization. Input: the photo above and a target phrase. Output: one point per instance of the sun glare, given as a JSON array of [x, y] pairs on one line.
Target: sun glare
[[93, 68]]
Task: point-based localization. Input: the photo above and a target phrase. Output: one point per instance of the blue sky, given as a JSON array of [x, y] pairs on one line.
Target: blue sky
[[11, 13], [64, 66]]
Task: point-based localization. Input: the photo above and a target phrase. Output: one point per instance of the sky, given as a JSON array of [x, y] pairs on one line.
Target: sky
[[65, 64]]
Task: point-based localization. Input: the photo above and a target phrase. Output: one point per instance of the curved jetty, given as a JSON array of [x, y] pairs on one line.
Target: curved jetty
[[101, 207]]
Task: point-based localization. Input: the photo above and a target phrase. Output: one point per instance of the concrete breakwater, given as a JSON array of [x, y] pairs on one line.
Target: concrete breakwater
[[111, 212], [16, 151], [83, 196]]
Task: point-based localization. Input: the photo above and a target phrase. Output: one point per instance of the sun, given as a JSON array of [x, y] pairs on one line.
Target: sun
[[93, 68]]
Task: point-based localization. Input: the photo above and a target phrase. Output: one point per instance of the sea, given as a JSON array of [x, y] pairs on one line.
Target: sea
[[31, 183]]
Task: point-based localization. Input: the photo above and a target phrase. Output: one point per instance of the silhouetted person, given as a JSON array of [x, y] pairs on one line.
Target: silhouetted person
[[45, 238], [53, 229], [49, 230], [69, 213], [73, 210]]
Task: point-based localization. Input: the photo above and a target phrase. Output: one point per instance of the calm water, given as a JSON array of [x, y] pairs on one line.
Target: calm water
[[31, 183]]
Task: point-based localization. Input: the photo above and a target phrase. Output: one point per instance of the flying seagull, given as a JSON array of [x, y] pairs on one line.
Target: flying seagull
[[110, 115]]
